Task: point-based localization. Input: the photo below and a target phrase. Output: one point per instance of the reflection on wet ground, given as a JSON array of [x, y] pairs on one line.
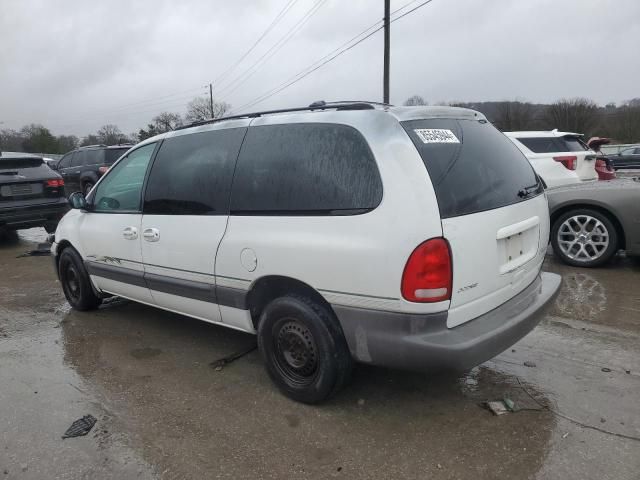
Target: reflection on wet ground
[[163, 411]]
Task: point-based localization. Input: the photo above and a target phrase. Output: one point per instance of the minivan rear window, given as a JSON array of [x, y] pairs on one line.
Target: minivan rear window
[[305, 169], [473, 167], [553, 144]]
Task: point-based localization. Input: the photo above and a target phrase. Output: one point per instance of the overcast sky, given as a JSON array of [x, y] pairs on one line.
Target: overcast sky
[[74, 65]]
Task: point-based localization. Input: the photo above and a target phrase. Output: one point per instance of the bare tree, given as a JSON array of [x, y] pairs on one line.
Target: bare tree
[[513, 116], [578, 115], [166, 121], [199, 109], [414, 100], [110, 135]]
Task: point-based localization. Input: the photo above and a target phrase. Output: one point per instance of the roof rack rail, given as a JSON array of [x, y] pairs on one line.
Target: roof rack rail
[[91, 146], [317, 105]]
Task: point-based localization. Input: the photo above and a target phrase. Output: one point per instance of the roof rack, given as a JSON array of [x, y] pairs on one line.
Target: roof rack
[[92, 146], [318, 105]]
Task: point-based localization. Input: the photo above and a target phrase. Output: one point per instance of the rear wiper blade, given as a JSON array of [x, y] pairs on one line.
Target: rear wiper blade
[[526, 191]]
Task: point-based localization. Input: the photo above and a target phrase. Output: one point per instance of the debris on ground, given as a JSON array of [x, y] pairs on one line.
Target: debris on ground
[[565, 435], [217, 365], [497, 407], [529, 364], [605, 369], [80, 427], [42, 250]]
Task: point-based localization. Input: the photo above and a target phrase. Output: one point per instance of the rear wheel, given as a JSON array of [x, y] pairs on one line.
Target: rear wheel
[[304, 349], [75, 281], [584, 238]]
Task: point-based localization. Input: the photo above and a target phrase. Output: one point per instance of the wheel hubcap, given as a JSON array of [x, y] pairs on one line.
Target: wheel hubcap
[[296, 351], [583, 238]]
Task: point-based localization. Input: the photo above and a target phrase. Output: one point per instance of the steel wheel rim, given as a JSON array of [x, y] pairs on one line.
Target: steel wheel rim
[[295, 352], [583, 238], [72, 281]]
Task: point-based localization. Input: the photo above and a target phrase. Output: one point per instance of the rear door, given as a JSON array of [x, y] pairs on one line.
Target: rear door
[[494, 213], [186, 208], [110, 229], [64, 170]]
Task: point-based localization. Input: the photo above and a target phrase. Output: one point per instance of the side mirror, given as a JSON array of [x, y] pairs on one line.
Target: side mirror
[[77, 201], [53, 166]]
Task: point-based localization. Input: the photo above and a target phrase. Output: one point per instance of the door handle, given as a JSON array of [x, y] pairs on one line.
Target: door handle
[[151, 234], [130, 233]]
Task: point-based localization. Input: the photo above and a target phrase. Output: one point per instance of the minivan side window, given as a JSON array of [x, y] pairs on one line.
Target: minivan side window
[[121, 188], [305, 169], [192, 174]]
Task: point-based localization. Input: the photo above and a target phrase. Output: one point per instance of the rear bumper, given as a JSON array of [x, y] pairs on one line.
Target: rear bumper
[[26, 216], [423, 342]]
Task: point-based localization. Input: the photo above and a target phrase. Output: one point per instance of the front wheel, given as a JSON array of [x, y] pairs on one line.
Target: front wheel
[[304, 349], [584, 238], [76, 284]]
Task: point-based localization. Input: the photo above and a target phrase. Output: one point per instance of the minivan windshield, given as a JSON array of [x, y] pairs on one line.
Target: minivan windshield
[[473, 166]]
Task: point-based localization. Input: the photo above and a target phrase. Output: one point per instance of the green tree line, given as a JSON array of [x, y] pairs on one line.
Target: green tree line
[[621, 122], [581, 115]]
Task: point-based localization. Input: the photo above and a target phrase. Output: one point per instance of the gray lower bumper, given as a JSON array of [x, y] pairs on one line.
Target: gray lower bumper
[[423, 342]]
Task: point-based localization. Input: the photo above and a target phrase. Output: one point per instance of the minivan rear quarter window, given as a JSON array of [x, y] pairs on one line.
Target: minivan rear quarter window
[[553, 144], [473, 167], [305, 169]]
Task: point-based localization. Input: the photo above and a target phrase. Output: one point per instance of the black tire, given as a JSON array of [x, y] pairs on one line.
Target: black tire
[[304, 349], [599, 257], [75, 281], [87, 188]]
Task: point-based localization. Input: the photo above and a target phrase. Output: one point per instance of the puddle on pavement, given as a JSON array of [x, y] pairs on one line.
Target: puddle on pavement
[[150, 370], [189, 417]]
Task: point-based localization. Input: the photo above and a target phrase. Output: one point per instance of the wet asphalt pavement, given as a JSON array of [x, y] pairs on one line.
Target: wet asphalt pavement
[[164, 412]]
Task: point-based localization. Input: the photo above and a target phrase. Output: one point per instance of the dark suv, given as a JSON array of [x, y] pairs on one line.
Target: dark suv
[[82, 168], [31, 194]]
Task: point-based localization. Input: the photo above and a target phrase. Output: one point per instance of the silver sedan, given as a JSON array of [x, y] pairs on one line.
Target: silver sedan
[[591, 221]]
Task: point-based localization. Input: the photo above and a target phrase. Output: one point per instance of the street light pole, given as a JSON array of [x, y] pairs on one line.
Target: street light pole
[[385, 79]]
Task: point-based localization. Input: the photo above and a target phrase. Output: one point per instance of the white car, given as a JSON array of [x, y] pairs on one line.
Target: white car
[[560, 158], [408, 237]]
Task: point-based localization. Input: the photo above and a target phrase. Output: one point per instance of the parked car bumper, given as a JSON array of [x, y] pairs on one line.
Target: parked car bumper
[[33, 215], [423, 342]]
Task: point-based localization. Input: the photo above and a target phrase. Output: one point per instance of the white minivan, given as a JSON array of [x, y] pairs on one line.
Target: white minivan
[[410, 237], [560, 158]]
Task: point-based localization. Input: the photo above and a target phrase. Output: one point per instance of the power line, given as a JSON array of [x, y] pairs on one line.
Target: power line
[[330, 57], [275, 21], [240, 79]]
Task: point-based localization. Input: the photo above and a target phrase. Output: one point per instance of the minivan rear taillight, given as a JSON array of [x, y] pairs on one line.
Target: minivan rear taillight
[[427, 275], [569, 161]]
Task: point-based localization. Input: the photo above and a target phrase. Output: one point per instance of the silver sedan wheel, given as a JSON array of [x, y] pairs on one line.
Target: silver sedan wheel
[[583, 238]]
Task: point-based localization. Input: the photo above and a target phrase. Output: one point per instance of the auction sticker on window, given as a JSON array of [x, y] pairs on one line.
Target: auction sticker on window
[[436, 135]]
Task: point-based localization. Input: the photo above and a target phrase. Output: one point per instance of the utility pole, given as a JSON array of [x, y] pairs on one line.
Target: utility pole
[[385, 79], [211, 98]]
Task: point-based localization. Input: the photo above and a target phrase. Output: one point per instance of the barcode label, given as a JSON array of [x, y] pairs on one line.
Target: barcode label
[[436, 135]]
